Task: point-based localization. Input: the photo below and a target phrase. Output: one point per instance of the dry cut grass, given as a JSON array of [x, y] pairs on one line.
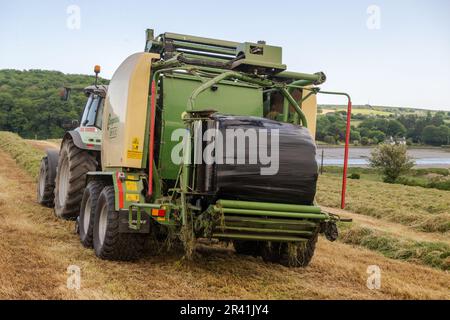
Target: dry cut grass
[[37, 248], [434, 254], [420, 208], [29, 158]]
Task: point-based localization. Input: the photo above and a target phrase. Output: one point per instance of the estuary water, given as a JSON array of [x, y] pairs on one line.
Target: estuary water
[[358, 156]]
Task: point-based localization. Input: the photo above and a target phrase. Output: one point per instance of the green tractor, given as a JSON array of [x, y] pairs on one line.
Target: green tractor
[[201, 138]]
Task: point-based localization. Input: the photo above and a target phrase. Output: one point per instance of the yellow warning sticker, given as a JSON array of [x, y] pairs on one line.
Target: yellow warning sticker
[[132, 197], [134, 155], [135, 144], [134, 152], [131, 185]]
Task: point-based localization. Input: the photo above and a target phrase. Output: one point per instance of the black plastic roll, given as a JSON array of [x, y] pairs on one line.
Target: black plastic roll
[[293, 183]]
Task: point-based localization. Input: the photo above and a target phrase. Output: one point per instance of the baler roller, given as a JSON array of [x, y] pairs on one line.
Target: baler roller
[[262, 221], [264, 230], [281, 214], [239, 236], [287, 223], [267, 206]]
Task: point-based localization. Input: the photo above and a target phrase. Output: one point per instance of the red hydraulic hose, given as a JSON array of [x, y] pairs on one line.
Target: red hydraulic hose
[[151, 141], [347, 143]]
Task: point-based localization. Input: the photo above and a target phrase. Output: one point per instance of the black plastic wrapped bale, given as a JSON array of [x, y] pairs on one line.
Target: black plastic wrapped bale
[[293, 181]]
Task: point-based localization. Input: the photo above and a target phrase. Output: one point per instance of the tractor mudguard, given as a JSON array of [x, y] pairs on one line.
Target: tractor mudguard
[[52, 157], [76, 137]]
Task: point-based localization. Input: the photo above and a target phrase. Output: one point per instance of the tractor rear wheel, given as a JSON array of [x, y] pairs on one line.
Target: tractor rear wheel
[[248, 248], [45, 186], [109, 243], [73, 165], [87, 212]]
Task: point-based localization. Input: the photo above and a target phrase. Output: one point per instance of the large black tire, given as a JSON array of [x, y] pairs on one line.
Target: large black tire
[[248, 248], [45, 185], [289, 254], [109, 244], [73, 165], [87, 212]]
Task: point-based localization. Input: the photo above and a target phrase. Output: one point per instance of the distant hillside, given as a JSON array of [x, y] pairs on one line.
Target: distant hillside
[[376, 124], [30, 104], [378, 110]]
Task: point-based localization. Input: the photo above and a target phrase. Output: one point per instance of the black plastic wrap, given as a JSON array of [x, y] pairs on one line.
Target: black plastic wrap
[[296, 179]]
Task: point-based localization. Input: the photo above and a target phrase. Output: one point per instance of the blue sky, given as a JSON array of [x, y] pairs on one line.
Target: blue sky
[[404, 63]]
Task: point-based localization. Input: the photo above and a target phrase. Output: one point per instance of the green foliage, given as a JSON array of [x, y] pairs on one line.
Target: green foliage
[[332, 125], [355, 136], [355, 176], [329, 140], [365, 141], [436, 135], [416, 126], [30, 104], [374, 128], [439, 184], [423, 171], [391, 160]]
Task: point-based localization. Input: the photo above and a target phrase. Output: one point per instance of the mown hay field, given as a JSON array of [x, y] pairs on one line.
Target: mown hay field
[[423, 209], [38, 248]]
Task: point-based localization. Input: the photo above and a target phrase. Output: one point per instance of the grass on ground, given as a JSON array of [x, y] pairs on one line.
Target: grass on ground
[[29, 158], [423, 209], [433, 254]]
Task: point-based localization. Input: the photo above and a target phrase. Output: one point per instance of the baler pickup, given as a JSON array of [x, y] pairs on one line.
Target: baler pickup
[[244, 220]]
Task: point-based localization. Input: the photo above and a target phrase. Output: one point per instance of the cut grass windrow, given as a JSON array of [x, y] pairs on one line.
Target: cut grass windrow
[[433, 254], [25, 155], [422, 209]]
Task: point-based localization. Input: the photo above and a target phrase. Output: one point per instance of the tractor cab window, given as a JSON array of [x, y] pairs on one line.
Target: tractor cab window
[[98, 121], [89, 118]]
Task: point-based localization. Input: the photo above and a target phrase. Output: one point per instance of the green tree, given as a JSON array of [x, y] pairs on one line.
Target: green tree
[[329, 140], [377, 135], [30, 103], [354, 135], [365, 141], [396, 129], [436, 135], [391, 160]]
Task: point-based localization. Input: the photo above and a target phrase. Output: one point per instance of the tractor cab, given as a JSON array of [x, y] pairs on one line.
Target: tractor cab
[[90, 125], [87, 132]]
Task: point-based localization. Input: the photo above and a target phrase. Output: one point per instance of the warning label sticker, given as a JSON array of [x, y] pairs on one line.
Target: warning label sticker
[[134, 155], [131, 185], [132, 197], [135, 144]]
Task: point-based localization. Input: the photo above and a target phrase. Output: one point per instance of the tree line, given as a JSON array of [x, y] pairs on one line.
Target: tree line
[[30, 103], [430, 129]]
